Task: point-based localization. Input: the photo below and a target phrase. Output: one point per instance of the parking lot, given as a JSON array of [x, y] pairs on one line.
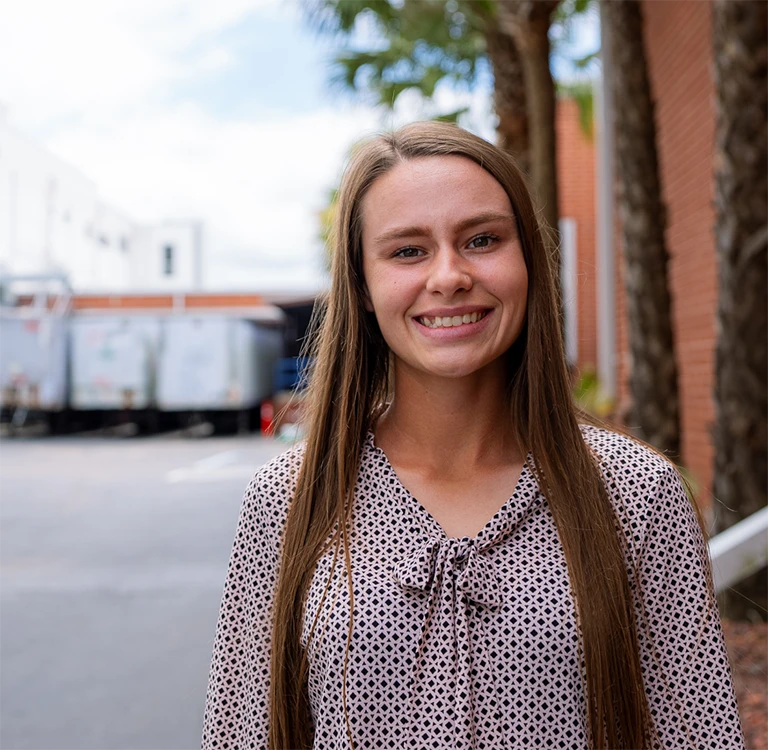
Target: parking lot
[[113, 553]]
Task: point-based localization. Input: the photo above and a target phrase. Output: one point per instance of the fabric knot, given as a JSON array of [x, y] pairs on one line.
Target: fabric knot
[[475, 577], [416, 571], [479, 581]]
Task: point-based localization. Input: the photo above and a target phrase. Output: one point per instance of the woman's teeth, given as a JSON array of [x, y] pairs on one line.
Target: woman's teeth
[[451, 322]]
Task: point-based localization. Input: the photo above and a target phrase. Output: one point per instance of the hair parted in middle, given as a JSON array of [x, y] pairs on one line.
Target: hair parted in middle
[[348, 390]]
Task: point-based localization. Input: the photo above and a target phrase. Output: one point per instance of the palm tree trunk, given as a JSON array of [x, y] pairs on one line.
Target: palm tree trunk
[[509, 96], [541, 88], [740, 485], [528, 22], [653, 377]]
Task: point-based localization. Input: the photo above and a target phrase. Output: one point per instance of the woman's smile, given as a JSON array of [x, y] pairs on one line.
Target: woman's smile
[[452, 325]]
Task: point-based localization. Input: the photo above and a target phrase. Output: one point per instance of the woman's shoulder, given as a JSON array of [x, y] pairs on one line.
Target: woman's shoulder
[[639, 480], [280, 473], [271, 488], [622, 457]]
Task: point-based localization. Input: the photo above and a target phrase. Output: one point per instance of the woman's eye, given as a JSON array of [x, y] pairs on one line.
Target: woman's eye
[[482, 240], [407, 252]]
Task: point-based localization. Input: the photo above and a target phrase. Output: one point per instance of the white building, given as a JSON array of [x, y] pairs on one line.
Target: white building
[[52, 219]]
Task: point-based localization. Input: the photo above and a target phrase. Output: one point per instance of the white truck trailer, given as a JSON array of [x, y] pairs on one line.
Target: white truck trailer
[[216, 365], [33, 361], [113, 361]]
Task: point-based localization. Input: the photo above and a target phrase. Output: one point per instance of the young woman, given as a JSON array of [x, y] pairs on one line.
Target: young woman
[[456, 557]]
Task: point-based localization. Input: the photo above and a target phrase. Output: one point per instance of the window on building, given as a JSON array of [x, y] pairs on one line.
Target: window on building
[[168, 260]]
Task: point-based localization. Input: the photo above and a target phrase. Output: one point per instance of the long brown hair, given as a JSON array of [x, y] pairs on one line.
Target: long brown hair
[[348, 388]]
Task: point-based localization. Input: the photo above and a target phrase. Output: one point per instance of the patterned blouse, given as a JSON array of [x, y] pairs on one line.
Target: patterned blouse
[[470, 642]]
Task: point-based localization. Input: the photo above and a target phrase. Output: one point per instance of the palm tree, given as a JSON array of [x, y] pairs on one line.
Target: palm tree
[[653, 377], [509, 95], [740, 34], [527, 22], [428, 42]]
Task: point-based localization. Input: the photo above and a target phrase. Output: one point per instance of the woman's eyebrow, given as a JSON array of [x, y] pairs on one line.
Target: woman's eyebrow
[[417, 231], [485, 218]]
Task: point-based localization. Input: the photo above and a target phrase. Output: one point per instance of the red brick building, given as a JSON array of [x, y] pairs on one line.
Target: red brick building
[[576, 175], [678, 39]]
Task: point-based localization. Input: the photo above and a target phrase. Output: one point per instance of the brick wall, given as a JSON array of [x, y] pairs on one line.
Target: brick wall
[[678, 49], [164, 301], [576, 176]]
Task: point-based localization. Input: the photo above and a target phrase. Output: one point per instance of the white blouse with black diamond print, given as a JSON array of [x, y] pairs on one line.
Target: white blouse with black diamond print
[[470, 642]]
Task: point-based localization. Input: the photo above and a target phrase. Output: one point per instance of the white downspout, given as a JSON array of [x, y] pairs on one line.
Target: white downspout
[[606, 296]]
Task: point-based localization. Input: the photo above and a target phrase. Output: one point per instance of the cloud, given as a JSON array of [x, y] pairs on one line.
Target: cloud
[[258, 185], [100, 84], [59, 60]]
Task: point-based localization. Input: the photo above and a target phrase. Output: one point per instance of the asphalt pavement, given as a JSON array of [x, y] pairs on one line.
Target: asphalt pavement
[[113, 553]]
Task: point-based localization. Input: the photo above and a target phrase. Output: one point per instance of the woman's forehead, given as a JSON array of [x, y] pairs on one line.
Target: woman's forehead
[[434, 188]]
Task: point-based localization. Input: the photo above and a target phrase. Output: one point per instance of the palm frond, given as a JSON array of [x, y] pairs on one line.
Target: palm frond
[[451, 116], [582, 93], [582, 63]]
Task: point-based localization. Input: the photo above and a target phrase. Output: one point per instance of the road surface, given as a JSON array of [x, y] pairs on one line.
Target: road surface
[[113, 553]]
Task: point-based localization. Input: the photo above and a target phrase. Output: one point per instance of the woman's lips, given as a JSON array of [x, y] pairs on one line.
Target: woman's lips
[[453, 332], [451, 321]]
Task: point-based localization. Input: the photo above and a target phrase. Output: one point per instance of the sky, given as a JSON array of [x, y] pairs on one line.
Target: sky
[[218, 111]]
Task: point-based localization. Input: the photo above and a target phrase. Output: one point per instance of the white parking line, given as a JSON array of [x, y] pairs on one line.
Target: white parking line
[[240, 471], [216, 460], [216, 468]]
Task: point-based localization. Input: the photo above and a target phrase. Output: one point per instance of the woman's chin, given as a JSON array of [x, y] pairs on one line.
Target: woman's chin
[[453, 370]]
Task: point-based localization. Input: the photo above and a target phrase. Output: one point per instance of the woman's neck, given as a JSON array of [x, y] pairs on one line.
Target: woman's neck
[[448, 425]]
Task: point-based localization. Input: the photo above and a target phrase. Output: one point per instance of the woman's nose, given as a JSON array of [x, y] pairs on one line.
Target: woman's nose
[[448, 273]]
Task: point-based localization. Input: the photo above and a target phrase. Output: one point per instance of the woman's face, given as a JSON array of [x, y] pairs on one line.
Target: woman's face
[[444, 270]]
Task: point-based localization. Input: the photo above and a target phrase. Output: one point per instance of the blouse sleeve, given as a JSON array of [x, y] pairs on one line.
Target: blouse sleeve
[[237, 700], [687, 675]]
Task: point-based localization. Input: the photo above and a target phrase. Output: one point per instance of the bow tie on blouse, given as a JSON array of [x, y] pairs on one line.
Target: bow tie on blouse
[[475, 576]]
